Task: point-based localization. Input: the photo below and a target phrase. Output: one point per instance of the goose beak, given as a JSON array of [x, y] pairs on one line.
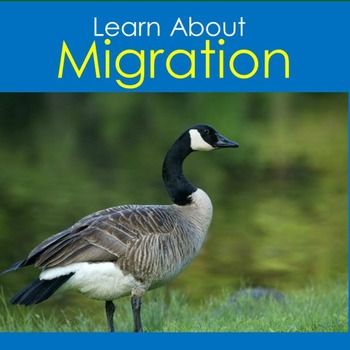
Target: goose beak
[[224, 142]]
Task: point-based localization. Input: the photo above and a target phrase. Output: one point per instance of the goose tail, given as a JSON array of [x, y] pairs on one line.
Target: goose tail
[[39, 290]]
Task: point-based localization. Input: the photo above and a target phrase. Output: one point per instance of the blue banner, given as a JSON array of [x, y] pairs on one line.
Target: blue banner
[[158, 47]]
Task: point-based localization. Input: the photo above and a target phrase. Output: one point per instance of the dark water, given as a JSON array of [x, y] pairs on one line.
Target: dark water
[[283, 238]]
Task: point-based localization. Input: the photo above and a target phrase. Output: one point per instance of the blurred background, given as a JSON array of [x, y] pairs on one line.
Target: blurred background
[[280, 200]]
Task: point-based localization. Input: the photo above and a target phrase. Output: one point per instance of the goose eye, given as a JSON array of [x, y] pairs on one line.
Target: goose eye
[[206, 132]]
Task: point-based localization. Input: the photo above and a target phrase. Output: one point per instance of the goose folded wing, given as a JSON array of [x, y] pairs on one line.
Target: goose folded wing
[[65, 237], [106, 238]]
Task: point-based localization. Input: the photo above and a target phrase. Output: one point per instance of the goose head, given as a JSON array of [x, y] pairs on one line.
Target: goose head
[[206, 138], [197, 138]]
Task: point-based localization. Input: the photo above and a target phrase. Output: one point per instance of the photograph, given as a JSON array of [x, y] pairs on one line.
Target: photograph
[[115, 215]]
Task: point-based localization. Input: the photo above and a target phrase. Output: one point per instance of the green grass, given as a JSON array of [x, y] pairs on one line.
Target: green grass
[[310, 310]]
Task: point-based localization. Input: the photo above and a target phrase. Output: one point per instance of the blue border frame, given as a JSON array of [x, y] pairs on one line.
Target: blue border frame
[[326, 70]]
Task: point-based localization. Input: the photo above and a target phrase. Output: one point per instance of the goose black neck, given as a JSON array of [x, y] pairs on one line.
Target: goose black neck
[[178, 187]]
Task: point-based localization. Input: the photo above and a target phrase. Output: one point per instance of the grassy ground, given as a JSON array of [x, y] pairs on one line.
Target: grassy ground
[[313, 309]]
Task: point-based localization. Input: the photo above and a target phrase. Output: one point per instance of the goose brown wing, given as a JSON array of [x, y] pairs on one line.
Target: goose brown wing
[[104, 237], [65, 236]]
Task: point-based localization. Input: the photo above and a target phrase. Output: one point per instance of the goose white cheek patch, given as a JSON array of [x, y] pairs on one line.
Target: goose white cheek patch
[[197, 142]]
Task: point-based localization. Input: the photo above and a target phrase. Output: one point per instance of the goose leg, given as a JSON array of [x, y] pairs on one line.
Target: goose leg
[[110, 308], [136, 311]]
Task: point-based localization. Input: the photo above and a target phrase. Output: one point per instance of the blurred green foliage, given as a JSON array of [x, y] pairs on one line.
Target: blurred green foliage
[[280, 200]]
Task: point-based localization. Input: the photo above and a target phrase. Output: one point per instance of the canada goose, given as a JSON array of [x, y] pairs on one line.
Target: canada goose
[[129, 249]]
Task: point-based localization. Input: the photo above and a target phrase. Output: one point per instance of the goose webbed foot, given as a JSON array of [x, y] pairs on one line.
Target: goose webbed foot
[[110, 309]]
